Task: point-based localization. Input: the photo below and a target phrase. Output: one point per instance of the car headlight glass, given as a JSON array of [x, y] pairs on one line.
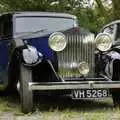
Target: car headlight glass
[[103, 41], [57, 41], [83, 68], [30, 55]]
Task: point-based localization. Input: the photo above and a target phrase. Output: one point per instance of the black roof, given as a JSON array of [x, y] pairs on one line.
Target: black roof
[[111, 23], [49, 14]]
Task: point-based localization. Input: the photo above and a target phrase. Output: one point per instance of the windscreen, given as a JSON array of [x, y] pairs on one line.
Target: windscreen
[[33, 24]]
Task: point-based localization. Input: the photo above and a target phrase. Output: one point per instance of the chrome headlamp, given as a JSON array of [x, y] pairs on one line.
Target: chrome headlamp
[[83, 68], [57, 41], [31, 55], [103, 41]]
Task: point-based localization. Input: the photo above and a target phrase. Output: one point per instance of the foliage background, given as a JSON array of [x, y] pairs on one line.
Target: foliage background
[[92, 14]]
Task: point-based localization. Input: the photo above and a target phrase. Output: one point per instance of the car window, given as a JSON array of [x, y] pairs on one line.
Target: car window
[[118, 33], [109, 30], [32, 24], [1, 26], [5, 26]]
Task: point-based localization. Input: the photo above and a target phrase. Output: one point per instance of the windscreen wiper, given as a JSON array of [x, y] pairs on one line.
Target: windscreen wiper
[[25, 34]]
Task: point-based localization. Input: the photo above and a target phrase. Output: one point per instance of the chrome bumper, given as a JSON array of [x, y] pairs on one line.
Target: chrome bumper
[[73, 85]]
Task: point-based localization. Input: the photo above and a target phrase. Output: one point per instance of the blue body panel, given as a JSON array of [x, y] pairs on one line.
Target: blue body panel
[[41, 43], [3, 55], [3, 60]]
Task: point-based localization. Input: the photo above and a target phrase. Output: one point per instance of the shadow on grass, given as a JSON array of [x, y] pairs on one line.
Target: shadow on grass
[[10, 103], [51, 103], [44, 103]]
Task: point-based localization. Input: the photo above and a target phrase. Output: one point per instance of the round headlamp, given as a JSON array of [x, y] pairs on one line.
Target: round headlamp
[[31, 55], [103, 41], [57, 41], [83, 68]]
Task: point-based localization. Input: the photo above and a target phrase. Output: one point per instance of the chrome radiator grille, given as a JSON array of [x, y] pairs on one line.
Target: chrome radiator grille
[[80, 47]]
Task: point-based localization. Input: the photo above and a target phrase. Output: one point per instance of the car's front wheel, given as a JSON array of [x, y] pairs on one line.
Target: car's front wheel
[[26, 95]]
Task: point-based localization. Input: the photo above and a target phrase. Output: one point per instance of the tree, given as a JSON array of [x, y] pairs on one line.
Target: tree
[[27, 5], [91, 16], [116, 9]]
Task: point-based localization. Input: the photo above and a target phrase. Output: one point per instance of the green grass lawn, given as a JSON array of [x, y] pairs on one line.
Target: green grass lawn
[[60, 109]]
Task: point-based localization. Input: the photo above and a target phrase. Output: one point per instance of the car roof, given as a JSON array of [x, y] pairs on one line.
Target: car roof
[[44, 14], [111, 23]]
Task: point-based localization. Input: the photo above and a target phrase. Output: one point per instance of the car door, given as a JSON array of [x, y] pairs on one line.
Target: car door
[[4, 50]]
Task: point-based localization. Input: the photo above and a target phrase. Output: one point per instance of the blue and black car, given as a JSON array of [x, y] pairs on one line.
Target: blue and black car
[[49, 52]]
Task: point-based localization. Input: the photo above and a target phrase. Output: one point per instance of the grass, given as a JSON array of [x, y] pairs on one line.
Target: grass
[[51, 108]]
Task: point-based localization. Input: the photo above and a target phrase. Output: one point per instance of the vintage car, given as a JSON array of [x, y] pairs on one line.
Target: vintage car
[[48, 52]]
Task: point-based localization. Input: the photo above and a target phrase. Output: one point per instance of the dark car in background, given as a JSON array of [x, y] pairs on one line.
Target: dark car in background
[[48, 52], [108, 57]]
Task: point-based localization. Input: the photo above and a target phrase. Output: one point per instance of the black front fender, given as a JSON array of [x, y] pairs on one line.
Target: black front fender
[[45, 72], [112, 68]]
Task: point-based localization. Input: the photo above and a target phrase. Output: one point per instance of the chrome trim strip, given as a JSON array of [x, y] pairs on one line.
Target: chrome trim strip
[[73, 85]]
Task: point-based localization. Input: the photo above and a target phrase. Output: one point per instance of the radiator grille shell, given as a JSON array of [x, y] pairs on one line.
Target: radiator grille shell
[[80, 47]]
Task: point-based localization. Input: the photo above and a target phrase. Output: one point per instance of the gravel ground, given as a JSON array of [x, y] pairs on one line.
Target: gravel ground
[[51, 108]]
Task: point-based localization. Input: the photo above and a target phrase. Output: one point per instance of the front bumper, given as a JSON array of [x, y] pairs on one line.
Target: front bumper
[[73, 85]]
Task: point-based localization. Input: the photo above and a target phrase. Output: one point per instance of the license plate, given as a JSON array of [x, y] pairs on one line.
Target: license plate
[[90, 93]]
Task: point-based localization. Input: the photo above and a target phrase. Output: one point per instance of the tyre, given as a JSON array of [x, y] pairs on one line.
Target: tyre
[[116, 76], [116, 98], [26, 95]]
